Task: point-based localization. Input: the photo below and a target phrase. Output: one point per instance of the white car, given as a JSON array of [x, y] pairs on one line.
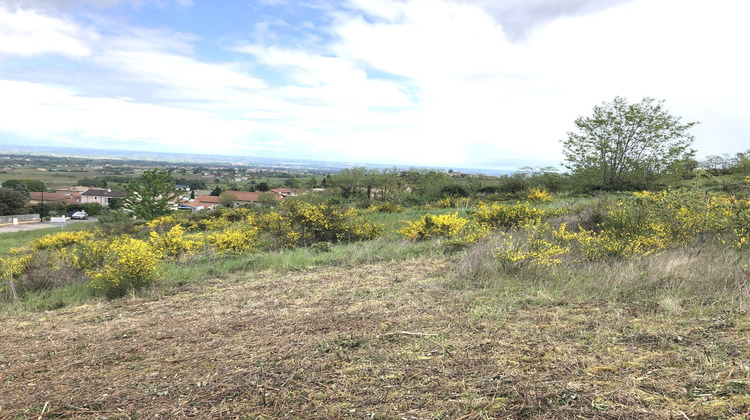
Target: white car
[[81, 215]]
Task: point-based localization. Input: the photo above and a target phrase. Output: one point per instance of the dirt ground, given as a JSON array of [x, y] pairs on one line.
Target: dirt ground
[[392, 340]]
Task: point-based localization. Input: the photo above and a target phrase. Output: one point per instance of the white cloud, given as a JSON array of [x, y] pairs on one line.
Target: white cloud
[[28, 33], [477, 87], [66, 115]]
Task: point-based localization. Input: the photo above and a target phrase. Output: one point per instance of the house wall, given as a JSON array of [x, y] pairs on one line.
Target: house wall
[[104, 201]]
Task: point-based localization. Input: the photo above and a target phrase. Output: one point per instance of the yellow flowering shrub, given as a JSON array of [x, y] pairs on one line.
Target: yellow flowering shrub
[[129, 264], [10, 269], [239, 237], [431, 226], [217, 223], [471, 232], [169, 220], [532, 245], [739, 221], [681, 217], [86, 255], [538, 196], [297, 223], [240, 214], [217, 219], [385, 207], [174, 242], [60, 240], [505, 216], [632, 228], [453, 202]]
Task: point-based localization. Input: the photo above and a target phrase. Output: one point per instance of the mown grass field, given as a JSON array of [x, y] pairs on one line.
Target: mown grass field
[[407, 339]]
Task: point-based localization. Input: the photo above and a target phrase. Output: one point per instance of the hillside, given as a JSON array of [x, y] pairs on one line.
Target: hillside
[[408, 339]]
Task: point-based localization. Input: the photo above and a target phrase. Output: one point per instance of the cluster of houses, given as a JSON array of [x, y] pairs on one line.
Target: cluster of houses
[[238, 198], [78, 195], [82, 195]]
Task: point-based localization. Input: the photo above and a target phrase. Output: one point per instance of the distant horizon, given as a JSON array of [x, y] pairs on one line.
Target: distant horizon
[[198, 158]]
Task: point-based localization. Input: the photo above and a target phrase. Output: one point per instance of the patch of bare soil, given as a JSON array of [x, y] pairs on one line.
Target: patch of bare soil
[[391, 340]]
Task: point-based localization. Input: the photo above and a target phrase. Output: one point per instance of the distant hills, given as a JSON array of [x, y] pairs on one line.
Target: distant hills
[[298, 164]]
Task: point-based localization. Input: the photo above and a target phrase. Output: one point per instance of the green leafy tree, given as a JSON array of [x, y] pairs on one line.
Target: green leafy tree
[[115, 203], [624, 145], [149, 195], [227, 200], [352, 181], [741, 164], [12, 202], [267, 198], [23, 189], [216, 191], [93, 182], [291, 183], [31, 184]]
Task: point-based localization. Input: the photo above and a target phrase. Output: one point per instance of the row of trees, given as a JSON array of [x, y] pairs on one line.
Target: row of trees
[[727, 164], [418, 186], [24, 184]]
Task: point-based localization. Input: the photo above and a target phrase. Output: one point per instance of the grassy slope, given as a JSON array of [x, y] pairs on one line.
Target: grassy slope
[[20, 239], [408, 339]]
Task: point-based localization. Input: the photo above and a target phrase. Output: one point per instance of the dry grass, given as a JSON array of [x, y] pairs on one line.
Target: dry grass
[[389, 340], [705, 274]]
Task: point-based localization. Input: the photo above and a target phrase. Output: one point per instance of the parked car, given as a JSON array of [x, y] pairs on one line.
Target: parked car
[[81, 215]]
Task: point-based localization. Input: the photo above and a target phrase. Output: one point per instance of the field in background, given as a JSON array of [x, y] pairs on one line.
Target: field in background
[[50, 179]]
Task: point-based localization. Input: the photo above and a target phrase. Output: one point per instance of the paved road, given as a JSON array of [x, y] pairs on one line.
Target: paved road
[[43, 225]]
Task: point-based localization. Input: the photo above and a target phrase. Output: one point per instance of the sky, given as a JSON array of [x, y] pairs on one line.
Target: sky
[[450, 83]]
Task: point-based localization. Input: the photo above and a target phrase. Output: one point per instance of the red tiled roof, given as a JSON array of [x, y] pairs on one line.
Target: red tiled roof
[[207, 199], [58, 197]]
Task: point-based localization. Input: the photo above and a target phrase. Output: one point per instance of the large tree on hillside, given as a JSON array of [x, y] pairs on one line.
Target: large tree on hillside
[[624, 145], [149, 195], [12, 202]]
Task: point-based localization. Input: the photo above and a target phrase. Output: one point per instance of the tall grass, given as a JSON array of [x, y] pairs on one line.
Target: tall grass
[[702, 275], [52, 299]]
